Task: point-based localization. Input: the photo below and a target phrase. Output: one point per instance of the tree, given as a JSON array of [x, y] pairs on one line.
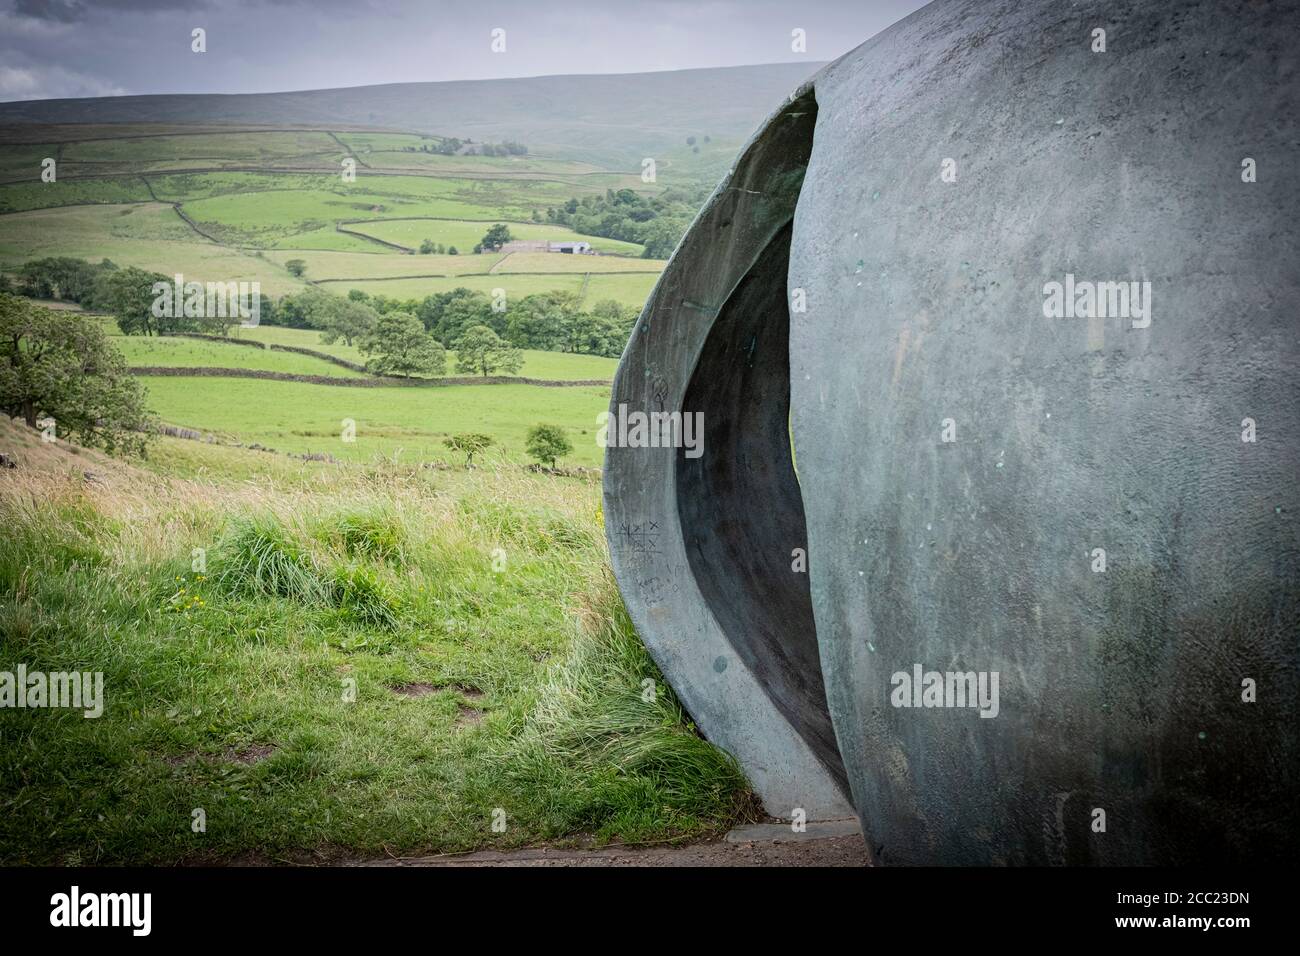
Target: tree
[[129, 295], [297, 267], [614, 322], [469, 444], [482, 350], [496, 237], [401, 346], [661, 237], [449, 314], [427, 248], [59, 277], [291, 311], [540, 320], [60, 365], [547, 443], [452, 251], [622, 316], [339, 318]]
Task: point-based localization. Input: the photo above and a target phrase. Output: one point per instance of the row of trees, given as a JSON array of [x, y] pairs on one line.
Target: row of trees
[[127, 293], [549, 321], [451, 146], [396, 341], [431, 248]]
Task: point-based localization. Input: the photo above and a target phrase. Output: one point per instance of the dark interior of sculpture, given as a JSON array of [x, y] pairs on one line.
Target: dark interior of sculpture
[[740, 507]]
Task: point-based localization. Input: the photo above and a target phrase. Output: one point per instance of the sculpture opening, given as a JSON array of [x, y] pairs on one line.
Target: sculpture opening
[[741, 513], [704, 545]]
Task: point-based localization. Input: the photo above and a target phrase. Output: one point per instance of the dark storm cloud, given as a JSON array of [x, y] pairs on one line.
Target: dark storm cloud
[[63, 11], [61, 48], [67, 11]]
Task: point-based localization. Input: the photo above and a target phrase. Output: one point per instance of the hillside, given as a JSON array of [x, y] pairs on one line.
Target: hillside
[[386, 697], [613, 120]]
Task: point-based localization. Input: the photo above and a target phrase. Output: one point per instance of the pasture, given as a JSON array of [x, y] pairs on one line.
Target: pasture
[[410, 232], [256, 198], [555, 366], [406, 424], [178, 352], [147, 235]]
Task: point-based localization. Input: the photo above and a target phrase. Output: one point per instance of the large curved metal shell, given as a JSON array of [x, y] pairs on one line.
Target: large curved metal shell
[[1095, 502]]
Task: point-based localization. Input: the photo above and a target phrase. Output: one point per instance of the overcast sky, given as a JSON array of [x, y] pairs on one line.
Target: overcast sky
[[64, 48]]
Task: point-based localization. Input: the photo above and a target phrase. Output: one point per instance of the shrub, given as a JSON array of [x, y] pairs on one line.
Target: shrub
[[548, 443]]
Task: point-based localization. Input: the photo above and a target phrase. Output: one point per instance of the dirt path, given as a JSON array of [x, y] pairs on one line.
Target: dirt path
[[842, 851], [750, 846]]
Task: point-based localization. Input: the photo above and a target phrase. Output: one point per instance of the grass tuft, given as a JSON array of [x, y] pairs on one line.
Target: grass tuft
[[375, 533], [608, 746], [362, 595], [259, 556]]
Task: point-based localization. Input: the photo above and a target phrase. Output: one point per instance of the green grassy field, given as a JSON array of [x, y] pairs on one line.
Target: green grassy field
[[259, 198], [263, 217], [21, 197], [328, 239], [556, 366], [561, 366], [240, 147], [376, 264], [403, 422], [190, 353], [371, 660], [629, 289], [544, 262], [464, 235], [148, 236], [516, 286], [301, 338]]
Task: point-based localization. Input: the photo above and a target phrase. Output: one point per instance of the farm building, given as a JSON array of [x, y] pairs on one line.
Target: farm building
[[570, 247], [541, 245]]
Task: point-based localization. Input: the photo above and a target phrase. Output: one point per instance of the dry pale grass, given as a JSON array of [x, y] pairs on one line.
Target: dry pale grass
[[154, 513]]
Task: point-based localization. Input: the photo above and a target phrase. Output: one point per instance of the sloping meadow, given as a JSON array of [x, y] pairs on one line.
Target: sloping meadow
[[311, 661]]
